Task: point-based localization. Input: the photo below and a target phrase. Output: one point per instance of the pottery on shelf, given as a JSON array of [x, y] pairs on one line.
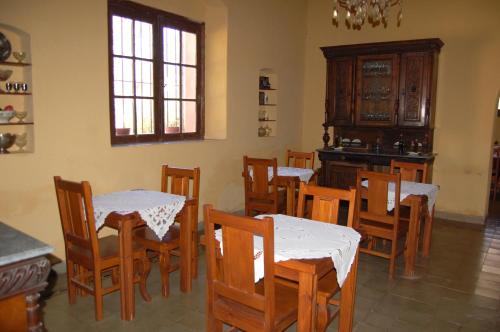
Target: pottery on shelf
[[6, 141]]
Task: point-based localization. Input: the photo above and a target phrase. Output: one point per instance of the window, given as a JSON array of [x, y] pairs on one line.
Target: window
[[156, 71]]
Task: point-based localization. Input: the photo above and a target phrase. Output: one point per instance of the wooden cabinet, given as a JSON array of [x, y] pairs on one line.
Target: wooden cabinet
[[415, 89], [382, 85], [380, 101], [340, 80], [377, 78], [389, 84]]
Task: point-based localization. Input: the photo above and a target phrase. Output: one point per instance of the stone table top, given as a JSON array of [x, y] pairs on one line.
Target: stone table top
[[16, 246]]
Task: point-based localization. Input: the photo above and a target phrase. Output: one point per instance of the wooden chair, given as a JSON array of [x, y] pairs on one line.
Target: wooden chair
[[410, 171], [300, 159], [325, 208], [233, 297], [175, 181], [372, 217], [261, 195], [495, 172], [87, 256]]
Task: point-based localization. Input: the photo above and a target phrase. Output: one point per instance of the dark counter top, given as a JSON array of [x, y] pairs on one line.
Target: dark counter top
[[382, 158]]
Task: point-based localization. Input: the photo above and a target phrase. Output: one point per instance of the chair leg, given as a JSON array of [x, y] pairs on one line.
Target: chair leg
[[194, 260], [165, 273], [392, 262], [321, 314], [98, 294], [145, 268], [70, 273]]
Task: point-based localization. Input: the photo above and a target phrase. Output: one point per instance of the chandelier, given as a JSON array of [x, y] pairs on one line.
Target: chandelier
[[359, 11]]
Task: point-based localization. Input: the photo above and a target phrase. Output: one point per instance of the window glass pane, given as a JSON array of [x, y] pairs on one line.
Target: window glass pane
[[172, 117], [143, 40], [171, 78], [188, 83], [144, 78], [171, 42], [188, 116], [123, 75], [122, 36], [124, 116], [188, 48], [145, 116]]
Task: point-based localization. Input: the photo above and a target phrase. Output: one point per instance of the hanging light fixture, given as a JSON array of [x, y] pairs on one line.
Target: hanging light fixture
[[359, 11]]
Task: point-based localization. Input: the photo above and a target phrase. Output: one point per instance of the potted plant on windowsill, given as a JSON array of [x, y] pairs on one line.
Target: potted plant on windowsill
[[172, 127]]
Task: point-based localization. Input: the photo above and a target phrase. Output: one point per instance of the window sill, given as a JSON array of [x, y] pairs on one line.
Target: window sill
[[196, 141]]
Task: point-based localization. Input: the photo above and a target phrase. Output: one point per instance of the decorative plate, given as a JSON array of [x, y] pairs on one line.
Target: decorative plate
[[5, 48]]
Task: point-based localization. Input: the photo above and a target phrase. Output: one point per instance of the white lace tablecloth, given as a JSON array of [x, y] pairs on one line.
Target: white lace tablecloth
[[304, 174], [410, 188], [299, 238], [156, 208]]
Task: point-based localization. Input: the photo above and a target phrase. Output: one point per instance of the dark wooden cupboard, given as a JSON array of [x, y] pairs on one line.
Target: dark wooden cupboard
[[378, 95]]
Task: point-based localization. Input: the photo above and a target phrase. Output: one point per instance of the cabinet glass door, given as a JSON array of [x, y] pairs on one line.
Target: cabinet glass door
[[376, 90]]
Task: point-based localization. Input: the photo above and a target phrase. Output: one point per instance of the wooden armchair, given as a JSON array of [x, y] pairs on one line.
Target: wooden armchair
[[177, 181], [232, 295], [325, 208], [410, 171], [87, 256], [261, 195], [300, 159], [372, 217]]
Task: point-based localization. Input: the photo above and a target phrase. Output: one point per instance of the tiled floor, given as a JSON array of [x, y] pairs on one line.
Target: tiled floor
[[459, 290]]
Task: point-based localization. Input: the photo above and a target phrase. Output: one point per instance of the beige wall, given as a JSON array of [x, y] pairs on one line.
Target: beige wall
[[468, 85], [70, 76]]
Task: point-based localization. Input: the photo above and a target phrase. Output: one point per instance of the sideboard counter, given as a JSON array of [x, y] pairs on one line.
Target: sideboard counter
[[16, 246]]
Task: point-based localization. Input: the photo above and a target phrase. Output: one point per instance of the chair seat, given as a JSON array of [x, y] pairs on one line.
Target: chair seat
[[286, 308]]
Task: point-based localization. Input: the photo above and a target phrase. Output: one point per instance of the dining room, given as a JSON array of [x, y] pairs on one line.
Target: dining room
[[76, 129]]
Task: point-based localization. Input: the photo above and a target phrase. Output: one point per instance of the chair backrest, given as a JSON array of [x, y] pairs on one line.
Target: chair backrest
[[496, 162], [373, 187], [326, 203], [300, 159], [180, 181], [258, 187], [77, 219], [237, 282], [410, 171]]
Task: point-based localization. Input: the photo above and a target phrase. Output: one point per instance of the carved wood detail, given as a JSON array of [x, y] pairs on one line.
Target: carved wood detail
[[24, 275]]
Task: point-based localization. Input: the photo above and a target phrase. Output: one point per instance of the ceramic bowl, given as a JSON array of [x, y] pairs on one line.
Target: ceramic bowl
[[5, 74], [5, 116], [6, 141]]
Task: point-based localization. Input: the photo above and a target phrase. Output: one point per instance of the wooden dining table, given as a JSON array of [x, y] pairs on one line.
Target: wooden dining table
[[125, 223], [290, 178], [307, 271]]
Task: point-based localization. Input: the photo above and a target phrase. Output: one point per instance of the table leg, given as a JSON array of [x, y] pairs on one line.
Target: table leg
[[185, 248], [411, 246], [127, 301], [347, 297], [308, 286], [429, 219], [290, 198]]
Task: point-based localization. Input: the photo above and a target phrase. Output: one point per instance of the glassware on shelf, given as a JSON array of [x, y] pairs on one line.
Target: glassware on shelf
[[16, 86], [21, 141], [268, 130], [19, 56], [20, 115]]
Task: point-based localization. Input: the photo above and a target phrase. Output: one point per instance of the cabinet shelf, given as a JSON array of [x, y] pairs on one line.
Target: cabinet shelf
[[268, 105], [268, 89], [261, 120], [15, 93], [17, 123], [15, 64]]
